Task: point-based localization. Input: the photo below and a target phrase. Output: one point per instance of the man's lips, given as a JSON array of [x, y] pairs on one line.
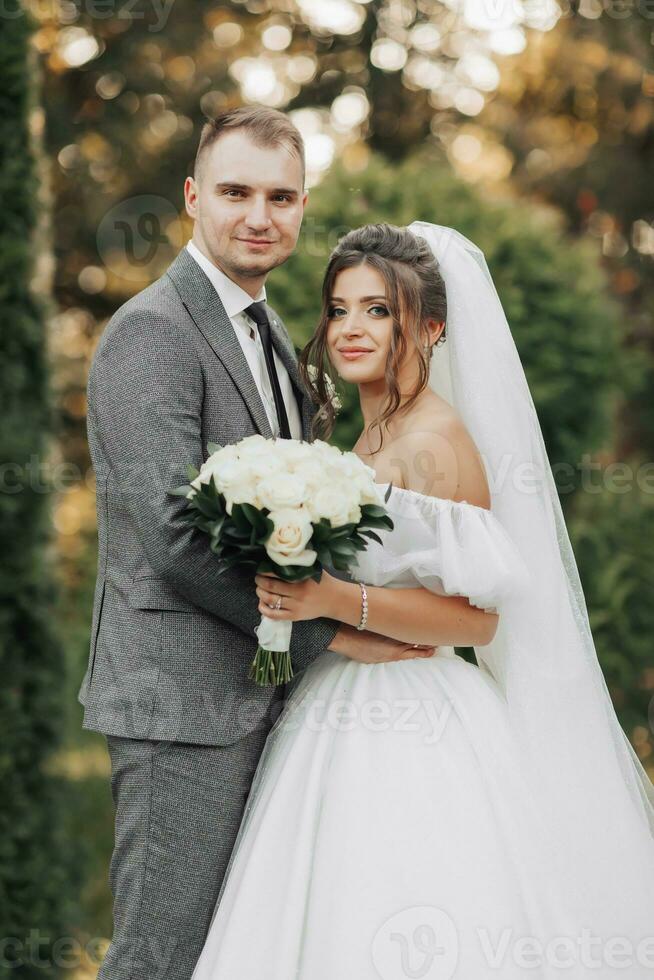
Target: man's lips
[[256, 241]]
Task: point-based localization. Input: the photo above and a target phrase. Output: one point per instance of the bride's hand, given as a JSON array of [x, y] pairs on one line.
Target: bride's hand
[[300, 600]]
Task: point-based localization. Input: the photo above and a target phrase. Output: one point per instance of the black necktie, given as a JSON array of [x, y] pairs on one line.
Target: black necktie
[[258, 313]]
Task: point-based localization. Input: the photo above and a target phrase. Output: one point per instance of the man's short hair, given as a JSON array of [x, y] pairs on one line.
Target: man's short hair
[[267, 127]]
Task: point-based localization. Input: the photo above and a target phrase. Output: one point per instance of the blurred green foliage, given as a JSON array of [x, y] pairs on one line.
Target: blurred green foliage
[[35, 853], [612, 533]]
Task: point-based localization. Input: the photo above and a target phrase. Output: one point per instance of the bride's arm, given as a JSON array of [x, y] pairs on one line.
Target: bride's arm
[[409, 615], [414, 615], [418, 615]]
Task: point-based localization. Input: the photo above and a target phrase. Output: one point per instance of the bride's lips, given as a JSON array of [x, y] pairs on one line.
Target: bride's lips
[[352, 355]]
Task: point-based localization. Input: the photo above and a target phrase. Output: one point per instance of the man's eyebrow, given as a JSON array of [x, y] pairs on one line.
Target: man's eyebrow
[[245, 187], [364, 299]]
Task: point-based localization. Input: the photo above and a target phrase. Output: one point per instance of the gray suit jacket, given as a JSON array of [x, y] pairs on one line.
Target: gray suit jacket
[[172, 641]]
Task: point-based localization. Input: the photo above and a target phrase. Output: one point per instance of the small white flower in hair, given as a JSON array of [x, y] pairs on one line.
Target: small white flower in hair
[[331, 387]]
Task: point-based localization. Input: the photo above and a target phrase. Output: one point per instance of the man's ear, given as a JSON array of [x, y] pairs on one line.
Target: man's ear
[[190, 197]]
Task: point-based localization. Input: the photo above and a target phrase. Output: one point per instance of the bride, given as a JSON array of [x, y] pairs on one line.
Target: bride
[[433, 817]]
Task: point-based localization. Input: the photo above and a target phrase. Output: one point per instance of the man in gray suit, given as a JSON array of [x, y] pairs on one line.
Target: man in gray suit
[[197, 357]]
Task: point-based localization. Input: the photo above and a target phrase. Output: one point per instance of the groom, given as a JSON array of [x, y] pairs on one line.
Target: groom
[[197, 357]]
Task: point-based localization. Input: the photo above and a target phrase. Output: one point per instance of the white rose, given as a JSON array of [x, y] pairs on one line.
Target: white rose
[[287, 542], [336, 502], [256, 445], [368, 492], [233, 474], [222, 455], [264, 466], [312, 473], [243, 494], [293, 452], [362, 478], [353, 464], [354, 515], [213, 463], [281, 491], [329, 453], [236, 481]]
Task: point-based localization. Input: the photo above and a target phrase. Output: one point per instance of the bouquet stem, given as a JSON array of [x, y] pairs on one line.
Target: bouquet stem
[[271, 667]]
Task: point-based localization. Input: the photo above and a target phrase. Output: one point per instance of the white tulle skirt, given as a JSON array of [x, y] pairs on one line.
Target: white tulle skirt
[[389, 834]]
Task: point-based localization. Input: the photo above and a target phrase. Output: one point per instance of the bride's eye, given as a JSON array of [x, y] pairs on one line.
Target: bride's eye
[[383, 310], [335, 311]]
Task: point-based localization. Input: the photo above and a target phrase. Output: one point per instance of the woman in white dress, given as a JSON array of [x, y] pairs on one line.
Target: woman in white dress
[[436, 818]]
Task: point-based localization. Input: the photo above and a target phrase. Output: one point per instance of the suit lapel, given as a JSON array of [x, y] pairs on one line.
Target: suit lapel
[[287, 356], [204, 306]]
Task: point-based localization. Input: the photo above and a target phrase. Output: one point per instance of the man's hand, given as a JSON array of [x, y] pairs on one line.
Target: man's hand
[[371, 648]]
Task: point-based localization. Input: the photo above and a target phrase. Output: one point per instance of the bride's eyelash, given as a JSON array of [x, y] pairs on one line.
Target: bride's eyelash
[[377, 306]]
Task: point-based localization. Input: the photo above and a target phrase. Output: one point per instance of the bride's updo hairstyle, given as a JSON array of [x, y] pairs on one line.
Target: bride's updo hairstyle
[[415, 293]]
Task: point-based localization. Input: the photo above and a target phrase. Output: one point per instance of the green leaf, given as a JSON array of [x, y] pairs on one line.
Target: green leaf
[[207, 506], [344, 531], [218, 527], [321, 533], [191, 472], [343, 549], [371, 534], [181, 491], [373, 510], [250, 512], [213, 447], [240, 519], [379, 522], [265, 529]]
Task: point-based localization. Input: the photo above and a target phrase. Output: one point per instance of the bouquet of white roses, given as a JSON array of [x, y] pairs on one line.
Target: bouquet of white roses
[[288, 508]]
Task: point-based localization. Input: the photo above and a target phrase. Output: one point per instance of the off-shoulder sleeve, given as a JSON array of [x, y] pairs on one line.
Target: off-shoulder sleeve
[[478, 558], [449, 547]]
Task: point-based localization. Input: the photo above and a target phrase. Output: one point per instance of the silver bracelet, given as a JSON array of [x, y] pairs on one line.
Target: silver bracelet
[[364, 607]]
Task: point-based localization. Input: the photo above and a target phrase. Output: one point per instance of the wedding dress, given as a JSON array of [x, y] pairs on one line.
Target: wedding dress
[[389, 832], [437, 818]]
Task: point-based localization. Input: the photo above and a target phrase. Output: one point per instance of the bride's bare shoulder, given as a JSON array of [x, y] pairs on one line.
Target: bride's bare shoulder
[[440, 458]]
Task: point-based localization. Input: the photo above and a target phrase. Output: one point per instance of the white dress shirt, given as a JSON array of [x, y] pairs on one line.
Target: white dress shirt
[[235, 300]]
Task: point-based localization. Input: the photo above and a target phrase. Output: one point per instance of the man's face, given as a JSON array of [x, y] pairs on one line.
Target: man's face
[[248, 203]]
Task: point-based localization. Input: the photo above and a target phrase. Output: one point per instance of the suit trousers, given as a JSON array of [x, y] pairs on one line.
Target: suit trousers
[[178, 808]]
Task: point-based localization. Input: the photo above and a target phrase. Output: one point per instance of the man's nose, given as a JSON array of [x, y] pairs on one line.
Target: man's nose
[[258, 214]]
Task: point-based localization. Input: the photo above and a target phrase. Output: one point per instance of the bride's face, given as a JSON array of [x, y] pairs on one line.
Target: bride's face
[[360, 325]]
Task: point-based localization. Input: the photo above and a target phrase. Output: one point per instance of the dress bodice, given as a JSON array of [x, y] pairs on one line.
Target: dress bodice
[[447, 546]]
